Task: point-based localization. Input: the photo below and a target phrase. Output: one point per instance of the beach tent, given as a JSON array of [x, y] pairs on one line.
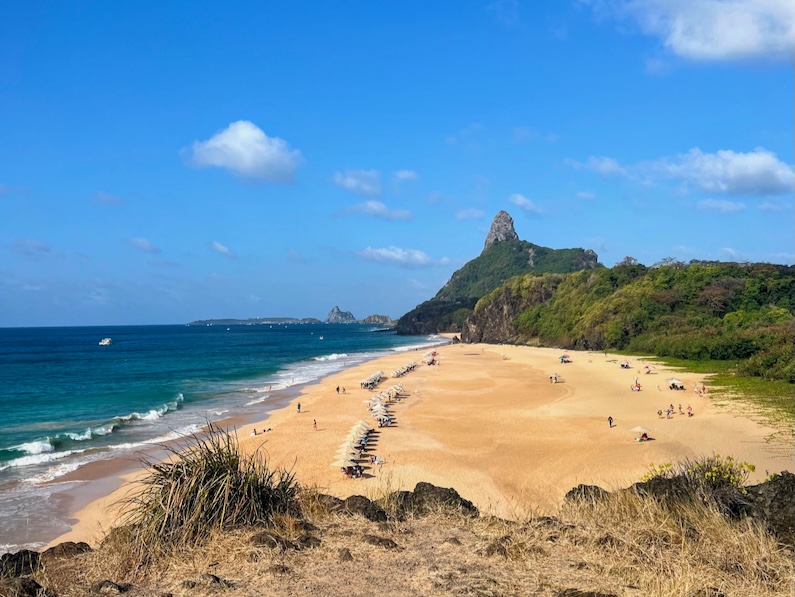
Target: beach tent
[[640, 430], [343, 463], [674, 380]]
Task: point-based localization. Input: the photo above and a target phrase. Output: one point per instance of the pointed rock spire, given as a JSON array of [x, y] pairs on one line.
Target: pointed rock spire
[[501, 229]]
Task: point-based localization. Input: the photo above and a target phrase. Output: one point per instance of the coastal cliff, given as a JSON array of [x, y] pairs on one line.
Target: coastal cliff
[[337, 316]]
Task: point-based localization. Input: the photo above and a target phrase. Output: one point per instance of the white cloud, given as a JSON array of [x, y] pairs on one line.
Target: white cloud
[[720, 205], [362, 182], [30, 247], [505, 11], [470, 214], [143, 244], [732, 254], [774, 206], [586, 195], [406, 175], [466, 136], [712, 30], [380, 210], [223, 249], [524, 203], [107, 198], [410, 258], [244, 149], [601, 164], [758, 172]]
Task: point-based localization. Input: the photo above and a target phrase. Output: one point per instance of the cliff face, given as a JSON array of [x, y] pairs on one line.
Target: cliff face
[[501, 230], [495, 321]]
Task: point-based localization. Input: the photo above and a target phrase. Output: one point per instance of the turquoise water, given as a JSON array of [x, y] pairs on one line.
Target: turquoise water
[[67, 401]]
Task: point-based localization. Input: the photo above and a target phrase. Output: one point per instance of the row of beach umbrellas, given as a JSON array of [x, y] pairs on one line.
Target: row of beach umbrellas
[[350, 447]]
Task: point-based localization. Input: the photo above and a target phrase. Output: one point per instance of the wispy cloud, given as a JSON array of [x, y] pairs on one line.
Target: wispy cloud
[[732, 254], [30, 248], [505, 11], [107, 198], [362, 182], [378, 209], [409, 258], [586, 195], [294, 256], [406, 175], [466, 136], [223, 249], [720, 205], [143, 245], [757, 172], [601, 164], [711, 30], [244, 149], [525, 204], [470, 214]]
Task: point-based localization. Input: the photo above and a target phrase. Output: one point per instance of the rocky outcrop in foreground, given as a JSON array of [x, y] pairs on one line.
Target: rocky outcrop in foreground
[[433, 542]]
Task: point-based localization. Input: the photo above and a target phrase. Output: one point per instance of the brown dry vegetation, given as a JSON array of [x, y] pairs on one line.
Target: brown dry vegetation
[[622, 545]]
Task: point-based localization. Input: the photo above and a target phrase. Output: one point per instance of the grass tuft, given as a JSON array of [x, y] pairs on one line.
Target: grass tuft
[[208, 485]]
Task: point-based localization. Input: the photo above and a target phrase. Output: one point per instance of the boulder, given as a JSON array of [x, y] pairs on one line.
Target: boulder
[[108, 587], [358, 504], [429, 498], [773, 504], [19, 563], [586, 493], [23, 587], [67, 549]]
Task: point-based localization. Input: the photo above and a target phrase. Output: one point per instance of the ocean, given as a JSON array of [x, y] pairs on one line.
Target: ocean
[[68, 401]]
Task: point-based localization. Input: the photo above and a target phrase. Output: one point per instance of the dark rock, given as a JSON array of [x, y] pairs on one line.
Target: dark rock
[[429, 498], [496, 548], [22, 562], [108, 587], [773, 504], [707, 592], [272, 540], [334, 504], [358, 504], [384, 542], [345, 555], [207, 580], [501, 229], [23, 587], [586, 493], [67, 549], [581, 593], [307, 541]]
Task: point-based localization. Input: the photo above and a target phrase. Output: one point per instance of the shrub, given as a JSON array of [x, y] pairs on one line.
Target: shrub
[[207, 485]]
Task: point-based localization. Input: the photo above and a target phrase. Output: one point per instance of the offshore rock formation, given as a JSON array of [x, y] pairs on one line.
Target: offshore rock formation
[[379, 320], [337, 316], [501, 229]]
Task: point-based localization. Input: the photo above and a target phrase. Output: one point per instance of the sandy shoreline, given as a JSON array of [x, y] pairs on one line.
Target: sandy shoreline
[[488, 422]]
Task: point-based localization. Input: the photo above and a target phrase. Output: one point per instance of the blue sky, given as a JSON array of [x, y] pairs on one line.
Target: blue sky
[[162, 162]]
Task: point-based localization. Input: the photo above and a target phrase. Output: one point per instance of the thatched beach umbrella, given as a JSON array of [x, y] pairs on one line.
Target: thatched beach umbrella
[[344, 462]]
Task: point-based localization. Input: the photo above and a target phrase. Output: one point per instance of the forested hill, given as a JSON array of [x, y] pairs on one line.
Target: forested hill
[[701, 310], [504, 256]]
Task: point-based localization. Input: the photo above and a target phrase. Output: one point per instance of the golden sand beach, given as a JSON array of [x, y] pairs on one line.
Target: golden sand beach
[[488, 421]]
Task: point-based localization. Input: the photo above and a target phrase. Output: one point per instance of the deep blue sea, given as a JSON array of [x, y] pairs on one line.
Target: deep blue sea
[[66, 401]]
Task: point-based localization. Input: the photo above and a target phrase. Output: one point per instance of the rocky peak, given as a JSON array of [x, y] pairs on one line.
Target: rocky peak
[[337, 316], [501, 229]]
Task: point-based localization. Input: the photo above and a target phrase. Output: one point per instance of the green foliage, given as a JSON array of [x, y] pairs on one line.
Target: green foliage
[[713, 479], [205, 486], [719, 311]]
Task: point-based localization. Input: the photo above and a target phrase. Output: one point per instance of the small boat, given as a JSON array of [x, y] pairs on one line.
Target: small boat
[[106, 342], [321, 337]]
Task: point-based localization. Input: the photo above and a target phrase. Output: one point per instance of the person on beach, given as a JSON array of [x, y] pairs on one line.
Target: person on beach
[[681, 412], [298, 408], [253, 433], [689, 411], [610, 422], [314, 424], [343, 389], [338, 389]]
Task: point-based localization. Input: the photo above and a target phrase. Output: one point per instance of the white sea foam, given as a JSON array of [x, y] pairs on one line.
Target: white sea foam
[[331, 357], [38, 459], [35, 447], [176, 434]]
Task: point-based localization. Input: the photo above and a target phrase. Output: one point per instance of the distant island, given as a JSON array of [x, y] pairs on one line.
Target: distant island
[[334, 316]]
